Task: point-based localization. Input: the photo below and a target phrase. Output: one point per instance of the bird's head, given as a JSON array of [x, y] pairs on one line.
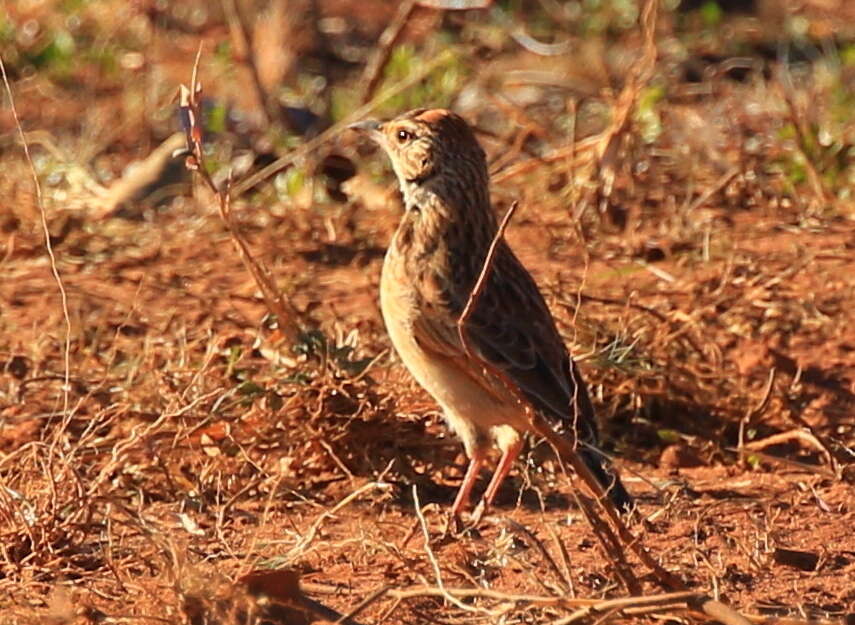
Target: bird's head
[[428, 143]]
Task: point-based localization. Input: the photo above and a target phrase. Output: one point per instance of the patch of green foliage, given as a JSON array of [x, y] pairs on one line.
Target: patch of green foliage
[[646, 114], [105, 58], [72, 6], [711, 13], [7, 30], [57, 56], [343, 101], [315, 344], [822, 137], [215, 117], [621, 352], [290, 182], [436, 91], [668, 436], [601, 16]]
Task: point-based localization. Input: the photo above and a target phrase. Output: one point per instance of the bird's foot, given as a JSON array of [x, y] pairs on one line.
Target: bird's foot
[[454, 526], [457, 527], [478, 513]]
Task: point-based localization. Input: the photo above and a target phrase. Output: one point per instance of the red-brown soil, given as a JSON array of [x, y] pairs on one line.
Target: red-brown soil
[[193, 446]]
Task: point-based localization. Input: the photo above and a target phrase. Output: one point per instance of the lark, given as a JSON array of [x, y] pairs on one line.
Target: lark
[[435, 258]]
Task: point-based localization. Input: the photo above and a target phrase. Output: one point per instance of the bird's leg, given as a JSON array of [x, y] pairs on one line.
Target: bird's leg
[[502, 470], [462, 500]]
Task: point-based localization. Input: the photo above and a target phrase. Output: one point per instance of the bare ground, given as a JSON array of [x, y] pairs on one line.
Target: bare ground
[[709, 301]]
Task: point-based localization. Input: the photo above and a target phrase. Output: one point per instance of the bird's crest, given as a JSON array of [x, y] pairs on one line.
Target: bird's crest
[[432, 116]]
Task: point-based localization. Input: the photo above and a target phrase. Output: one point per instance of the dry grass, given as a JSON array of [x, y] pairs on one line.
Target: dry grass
[[703, 275]]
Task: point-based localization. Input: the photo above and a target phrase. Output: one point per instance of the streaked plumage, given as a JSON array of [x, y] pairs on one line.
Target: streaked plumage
[[431, 268]]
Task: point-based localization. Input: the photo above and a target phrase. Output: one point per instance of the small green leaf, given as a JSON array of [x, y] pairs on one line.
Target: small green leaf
[[668, 436], [216, 117], [711, 13]]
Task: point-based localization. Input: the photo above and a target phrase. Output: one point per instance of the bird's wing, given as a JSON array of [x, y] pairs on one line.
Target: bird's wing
[[512, 330]]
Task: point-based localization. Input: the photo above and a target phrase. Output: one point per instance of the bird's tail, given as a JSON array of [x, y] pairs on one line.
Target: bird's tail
[[585, 442], [584, 430]]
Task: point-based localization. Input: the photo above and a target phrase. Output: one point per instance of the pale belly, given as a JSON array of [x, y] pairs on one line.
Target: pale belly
[[472, 413]]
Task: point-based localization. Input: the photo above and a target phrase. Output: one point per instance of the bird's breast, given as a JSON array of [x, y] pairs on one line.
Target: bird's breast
[[404, 306]]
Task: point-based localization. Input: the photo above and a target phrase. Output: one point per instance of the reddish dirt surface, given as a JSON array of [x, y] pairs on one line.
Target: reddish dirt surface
[[194, 446]]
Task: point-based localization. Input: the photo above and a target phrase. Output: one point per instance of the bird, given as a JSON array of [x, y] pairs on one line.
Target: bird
[[429, 271]]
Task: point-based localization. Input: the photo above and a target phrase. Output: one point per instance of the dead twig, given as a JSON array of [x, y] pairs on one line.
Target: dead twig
[[579, 153], [486, 271], [710, 191], [565, 579], [642, 605], [687, 600], [390, 37], [610, 543], [565, 558], [143, 174], [531, 44], [795, 434], [802, 131], [374, 596], [301, 546], [480, 593], [789, 462], [434, 563], [623, 106], [755, 411], [48, 247], [624, 603], [286, 315], [243, 51], [718, 611]]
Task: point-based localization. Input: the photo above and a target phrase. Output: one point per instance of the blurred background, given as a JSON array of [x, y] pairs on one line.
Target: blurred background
[[685, 172]]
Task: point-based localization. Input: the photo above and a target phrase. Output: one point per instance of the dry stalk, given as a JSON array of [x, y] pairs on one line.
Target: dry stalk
[[240, 35], [641, 74], [565, 579], [390, 37], [603, 147], [789, 462], [710, 191], [755, 411], [486, 271], [286, 314], [610, 543], [434, 563], [786, 88], [579, 152], [629, 606], [789, 435], [48, 247], [309, 536], [373, 597], [623, 603], [565, 558]]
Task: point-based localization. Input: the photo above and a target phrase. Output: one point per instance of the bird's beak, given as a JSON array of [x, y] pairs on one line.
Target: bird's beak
[[371, 127]]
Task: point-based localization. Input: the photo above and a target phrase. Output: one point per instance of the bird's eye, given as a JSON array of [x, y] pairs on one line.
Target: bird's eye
[[404, 136]]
